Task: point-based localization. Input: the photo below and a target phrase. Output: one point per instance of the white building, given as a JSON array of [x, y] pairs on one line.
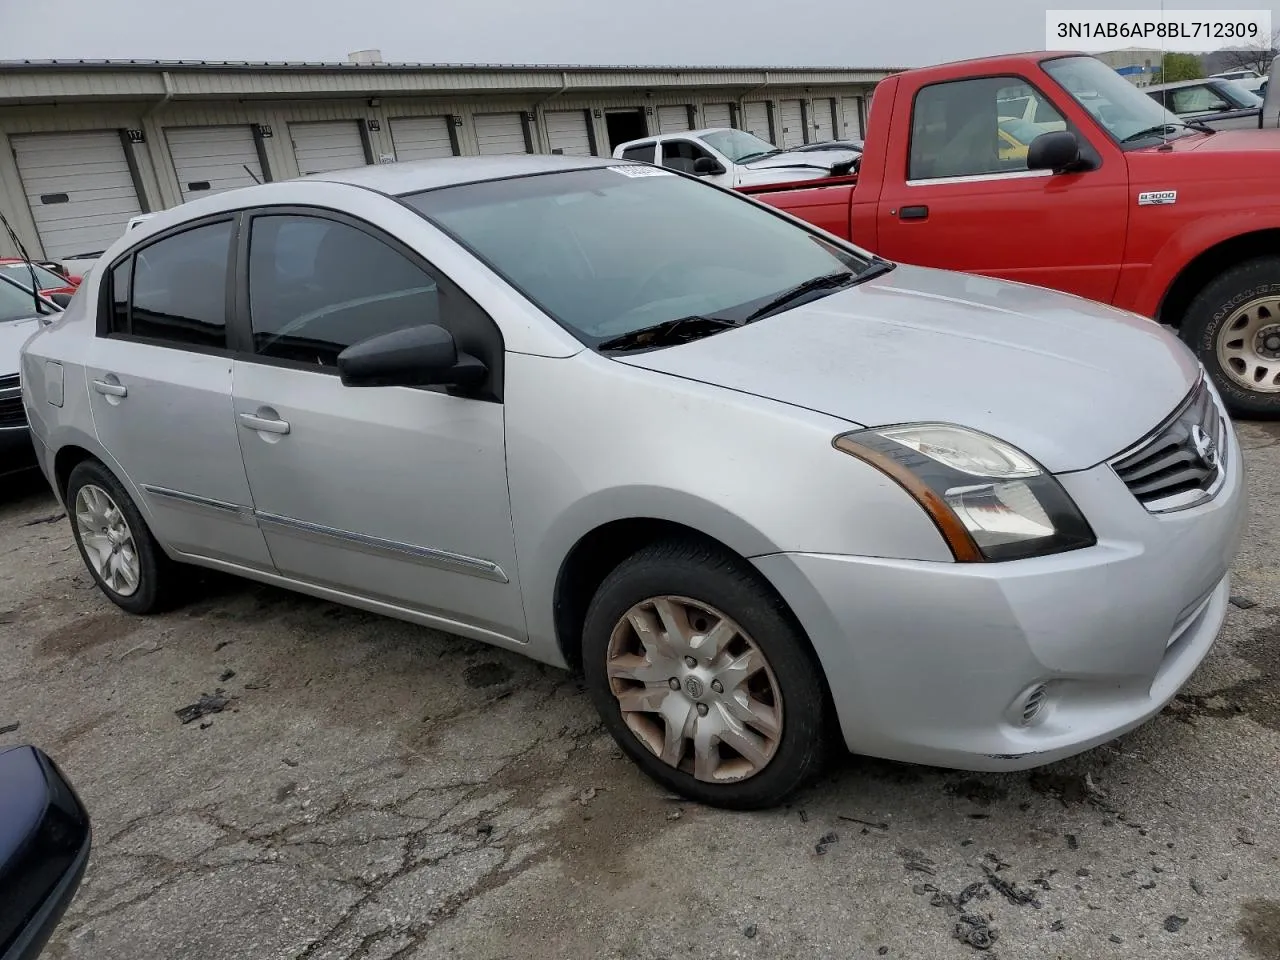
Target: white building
[[84, 145]]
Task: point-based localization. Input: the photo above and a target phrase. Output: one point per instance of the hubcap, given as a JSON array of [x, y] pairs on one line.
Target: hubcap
[[108, 541], [695, 689], [1249, 345]]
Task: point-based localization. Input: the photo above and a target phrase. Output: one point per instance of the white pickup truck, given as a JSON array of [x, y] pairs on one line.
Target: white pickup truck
[[735, 158]]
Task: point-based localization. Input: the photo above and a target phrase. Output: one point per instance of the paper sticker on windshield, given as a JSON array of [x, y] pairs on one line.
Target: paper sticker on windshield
[[639, 170]]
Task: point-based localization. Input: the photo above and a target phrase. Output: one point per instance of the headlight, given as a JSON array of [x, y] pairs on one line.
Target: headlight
[[989, 500]]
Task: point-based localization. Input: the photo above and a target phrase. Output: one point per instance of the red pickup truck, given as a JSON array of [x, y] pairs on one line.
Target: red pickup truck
[[1113, 199]]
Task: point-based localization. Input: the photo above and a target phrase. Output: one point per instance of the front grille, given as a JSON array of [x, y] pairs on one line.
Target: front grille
[[11, 412], [11, 382], [1182, 463]]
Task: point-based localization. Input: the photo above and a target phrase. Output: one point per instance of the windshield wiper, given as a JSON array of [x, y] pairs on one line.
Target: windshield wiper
[[1155, 131], [760, 155], [667, 333], [824, 282]]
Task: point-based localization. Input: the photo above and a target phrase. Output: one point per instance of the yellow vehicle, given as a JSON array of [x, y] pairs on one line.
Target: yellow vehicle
[[1015, 135]]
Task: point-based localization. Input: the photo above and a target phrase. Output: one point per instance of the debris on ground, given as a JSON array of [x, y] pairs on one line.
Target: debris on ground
[[226, 675], [587, 795], [995, 860], [1114, 939], [749, 931], [825, 841], [882, 951], [51, 518], [1197, 887], [1245, 835], [974, 930], [484, 829], [221, 644], [1015, 894], [207, 704], [1244, 603], [1058, 926], [289, 762], [1173, 923], [9, 727], [674, 814], [1073, 842], [804, 817], [874, 824], [920, 889], [1149, 885], [915, 861], [974, 891]]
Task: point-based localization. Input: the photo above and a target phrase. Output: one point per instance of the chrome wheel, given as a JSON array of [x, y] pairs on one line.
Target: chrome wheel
[[108, 541], [695, 689], [1249, 345]]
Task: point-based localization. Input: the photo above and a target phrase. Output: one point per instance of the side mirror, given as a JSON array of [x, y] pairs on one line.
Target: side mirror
[[44, 847], [61, 299], [1058, 151], [423, 356], [706, 166]]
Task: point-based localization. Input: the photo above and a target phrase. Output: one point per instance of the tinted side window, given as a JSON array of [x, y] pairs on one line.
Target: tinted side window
[[180, 287], [119, 321], [644, 153], [973, 127], [318, 286], [680, 154], [1186, 100]]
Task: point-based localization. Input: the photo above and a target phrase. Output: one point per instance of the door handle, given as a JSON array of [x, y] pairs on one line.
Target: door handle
[[109, 389], [920, 212], [264, 424]]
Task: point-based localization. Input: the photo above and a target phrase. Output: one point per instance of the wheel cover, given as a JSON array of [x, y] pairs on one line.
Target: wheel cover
[[108, 541], [695, 689], [1248, 345]]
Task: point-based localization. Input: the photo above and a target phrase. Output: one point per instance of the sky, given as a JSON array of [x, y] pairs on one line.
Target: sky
[[868, 33]]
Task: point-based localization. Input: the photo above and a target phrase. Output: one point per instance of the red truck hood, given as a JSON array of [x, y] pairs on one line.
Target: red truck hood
[[1232, 141]]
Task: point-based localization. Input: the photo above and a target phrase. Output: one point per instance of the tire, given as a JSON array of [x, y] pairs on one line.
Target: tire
[[158, 578], [707, 584], [1225, 304]]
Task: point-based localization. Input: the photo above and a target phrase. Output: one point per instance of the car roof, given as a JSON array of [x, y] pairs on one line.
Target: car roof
[[1181, 83], [415, 175]]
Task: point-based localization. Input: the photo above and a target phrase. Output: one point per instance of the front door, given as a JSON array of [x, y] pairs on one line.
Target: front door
[[394, 494], [161, 395], [965, 200]]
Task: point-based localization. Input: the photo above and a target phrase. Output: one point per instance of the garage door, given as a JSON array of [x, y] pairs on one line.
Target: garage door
[[567, 132], [851, 119], [79, 187], [421, 138], [792, 133], [210, 160], [673, 119], [330, 145], [755, 118], [716, 115], [499, 133], [823, 111]]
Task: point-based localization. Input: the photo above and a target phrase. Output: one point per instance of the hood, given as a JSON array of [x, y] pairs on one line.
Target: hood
[[809, 158], [1069, 381], [13, 334], [1252, 141]]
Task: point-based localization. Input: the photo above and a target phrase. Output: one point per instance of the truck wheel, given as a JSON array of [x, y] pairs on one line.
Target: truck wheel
[[1233, 325], [703, 678]]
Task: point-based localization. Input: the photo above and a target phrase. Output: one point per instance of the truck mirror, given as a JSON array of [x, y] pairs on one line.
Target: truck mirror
[[1058, 151], [706, 166]]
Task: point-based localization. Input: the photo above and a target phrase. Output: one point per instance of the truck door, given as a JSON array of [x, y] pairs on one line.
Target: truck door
[[957, 193]]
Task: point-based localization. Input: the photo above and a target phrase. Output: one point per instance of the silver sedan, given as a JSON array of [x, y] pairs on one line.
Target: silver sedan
[[767, 491]]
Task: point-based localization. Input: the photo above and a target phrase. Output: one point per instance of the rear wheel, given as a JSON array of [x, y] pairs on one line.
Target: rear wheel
[[1233, 325], [703, 678], [115, 544]]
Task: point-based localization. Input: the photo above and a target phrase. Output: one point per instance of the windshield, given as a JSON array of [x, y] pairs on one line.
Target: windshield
[[606, 252], [1116, 104], [46, 279], [16, 303], [737, 145], [1242, 97]]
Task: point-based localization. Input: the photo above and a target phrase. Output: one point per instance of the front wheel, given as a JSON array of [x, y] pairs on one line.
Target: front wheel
[[703, 678], [1233, 325]]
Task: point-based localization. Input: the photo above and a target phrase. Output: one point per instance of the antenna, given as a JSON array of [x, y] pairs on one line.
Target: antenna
[[251, 174], [22, 252]]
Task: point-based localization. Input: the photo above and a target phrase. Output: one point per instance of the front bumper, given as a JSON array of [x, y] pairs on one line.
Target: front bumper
[[927, 661]]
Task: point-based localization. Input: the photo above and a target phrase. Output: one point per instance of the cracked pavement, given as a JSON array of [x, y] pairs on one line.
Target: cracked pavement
[[374, 790]]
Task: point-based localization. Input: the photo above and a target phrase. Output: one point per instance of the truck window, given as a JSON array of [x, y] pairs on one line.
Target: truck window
[[1197, 99], [965, 128], [680, 154], [643, 152]]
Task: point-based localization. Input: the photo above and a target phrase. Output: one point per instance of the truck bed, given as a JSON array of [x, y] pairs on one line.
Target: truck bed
[[826, 203]]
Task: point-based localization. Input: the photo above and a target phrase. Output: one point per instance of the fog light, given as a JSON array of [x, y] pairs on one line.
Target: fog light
[[1030, 707]]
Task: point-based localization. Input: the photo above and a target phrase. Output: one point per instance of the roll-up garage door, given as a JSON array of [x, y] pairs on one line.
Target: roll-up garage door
[[567, 131], [327, 145], [499, 133], [421, 138], [792, 132], [673, 119], [716, 115], [823, 112], [756, 120], [851, 119], [79, 187], [210, 160]]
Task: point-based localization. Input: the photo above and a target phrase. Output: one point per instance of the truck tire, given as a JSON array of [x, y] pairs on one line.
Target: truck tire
[[703, 677], [1233, 325]]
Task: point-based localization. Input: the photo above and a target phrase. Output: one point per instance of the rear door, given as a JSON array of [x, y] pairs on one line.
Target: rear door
[[950, 200], [160, 391]]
